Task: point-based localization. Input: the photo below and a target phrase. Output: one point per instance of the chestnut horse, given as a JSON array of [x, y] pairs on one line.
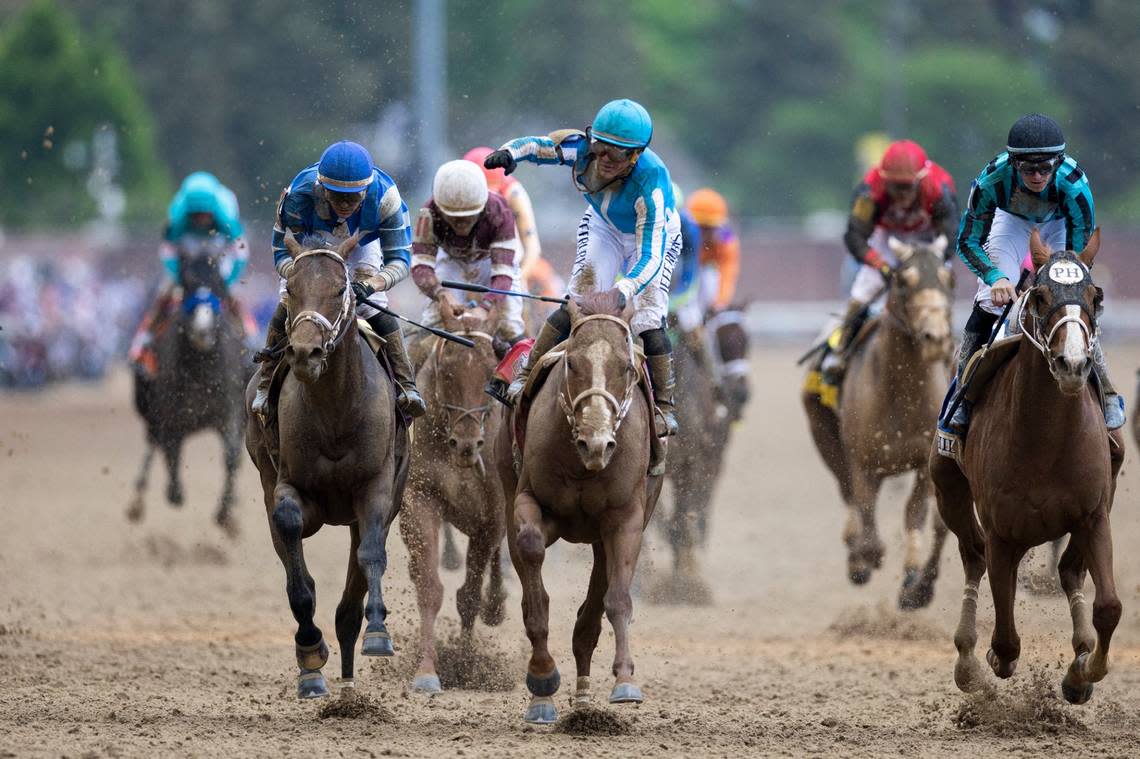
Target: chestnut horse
[[888, 408], [449, 482], [1038, 463], [583, 477], [342, 459]]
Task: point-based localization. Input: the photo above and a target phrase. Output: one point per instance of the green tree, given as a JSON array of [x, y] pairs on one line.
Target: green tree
[[58, 88]]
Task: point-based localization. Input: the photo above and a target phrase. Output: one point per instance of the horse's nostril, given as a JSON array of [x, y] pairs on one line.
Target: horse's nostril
[[479, 443], [582, 447], [453, 443], [610, 446]]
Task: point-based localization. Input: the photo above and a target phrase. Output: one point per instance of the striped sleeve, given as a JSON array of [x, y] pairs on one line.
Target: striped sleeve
[[395, 231], [649, 237], [288, 216], [1077, 207], [560, 147], [975, 229]]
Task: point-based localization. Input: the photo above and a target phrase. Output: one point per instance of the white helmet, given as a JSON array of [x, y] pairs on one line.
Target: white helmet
[[460, 189]]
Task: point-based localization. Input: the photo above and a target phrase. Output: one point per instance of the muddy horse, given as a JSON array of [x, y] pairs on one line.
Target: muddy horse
[[888, 407], [583, 477], [339, 456], [450, 482], [1038, 464], [202, 369]]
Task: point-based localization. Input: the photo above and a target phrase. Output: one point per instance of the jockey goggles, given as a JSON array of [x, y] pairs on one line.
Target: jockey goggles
[[611, 151], [1041, 167], [901, 188]]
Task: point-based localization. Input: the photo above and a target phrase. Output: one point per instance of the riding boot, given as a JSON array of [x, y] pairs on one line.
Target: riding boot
[[663, 379], [834, 365], [1113, 402], [409, 400], [554, 330], [274, 334], [497, 388], [971, 342]]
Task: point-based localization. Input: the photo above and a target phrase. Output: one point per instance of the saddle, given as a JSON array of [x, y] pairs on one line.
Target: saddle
[[658, 448], [813, 382]]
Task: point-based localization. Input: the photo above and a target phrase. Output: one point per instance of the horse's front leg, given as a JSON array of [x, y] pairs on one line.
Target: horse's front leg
[[350, 610], [137, 507], [621, 537], [469, 597], [419, 526], [865, 548], [588, 627], [527, 538], [1095, 541], [372, 555], [231, 443], [1002, 559], [289, 521], [172, 452]]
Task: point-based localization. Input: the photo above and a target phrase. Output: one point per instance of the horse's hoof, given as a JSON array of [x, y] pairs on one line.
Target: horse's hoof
[[541, 711], [1001, 668], [494, 611], [135, 510], [312, 685], [626, 693], [1076, 696], [859, 576], [544, 686], [229, 526], [427, 684], [174, 494], [917, 596], [377, 643]]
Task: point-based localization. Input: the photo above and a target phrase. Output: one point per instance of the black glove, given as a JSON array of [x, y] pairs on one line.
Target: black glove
[[501, 159], [362, 290]]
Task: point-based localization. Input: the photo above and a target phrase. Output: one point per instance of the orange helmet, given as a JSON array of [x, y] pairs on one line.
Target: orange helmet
[[904, 161], [707, 207], [495, 177]]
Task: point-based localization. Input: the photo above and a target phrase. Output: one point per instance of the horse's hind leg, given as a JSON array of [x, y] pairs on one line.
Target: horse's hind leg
[[419, 526], [287, 521], [493, 609], [350, 611], [913, 522], [588, 627], [527, 540], [451, 560], [231, 441], [920, 593], [1096, 543], [622, 541], [1002, 559], [1071, 569], [172, 452], [138, 505]]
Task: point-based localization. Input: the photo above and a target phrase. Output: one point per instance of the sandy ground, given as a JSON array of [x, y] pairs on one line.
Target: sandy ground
[[166, 637]]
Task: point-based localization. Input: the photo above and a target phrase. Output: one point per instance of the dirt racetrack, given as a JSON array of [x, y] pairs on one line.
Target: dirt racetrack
[[167, 638]]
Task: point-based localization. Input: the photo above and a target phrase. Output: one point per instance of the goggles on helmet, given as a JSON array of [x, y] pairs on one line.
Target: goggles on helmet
[[611, 151], [1037, 165]]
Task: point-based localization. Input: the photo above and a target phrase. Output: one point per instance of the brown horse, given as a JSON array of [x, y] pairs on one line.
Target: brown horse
[[449, 481], [1037, 464], [890, 398], [342, 460], [583, 477]]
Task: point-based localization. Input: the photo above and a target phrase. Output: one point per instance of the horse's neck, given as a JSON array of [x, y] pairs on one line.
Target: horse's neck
[[1035, 400], [900, 360]]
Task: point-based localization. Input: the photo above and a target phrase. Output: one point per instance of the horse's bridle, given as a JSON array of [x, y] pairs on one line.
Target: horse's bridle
[[621, 408], [331, 332], [1092, 335], [475, 412]]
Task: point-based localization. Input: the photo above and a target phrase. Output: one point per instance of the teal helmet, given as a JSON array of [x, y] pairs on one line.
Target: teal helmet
[[198, 194], [623, 123]]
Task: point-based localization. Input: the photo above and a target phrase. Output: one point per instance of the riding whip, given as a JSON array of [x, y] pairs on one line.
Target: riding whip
[[494, 291], [438, 332]]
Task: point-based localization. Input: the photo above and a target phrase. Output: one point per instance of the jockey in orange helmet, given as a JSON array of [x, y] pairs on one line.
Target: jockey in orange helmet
[[517, 198], [719, 249], [907, 196]]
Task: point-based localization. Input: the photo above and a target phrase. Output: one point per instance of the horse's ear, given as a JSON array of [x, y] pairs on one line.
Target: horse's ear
[[1089, 253], [1038, 249], [939, 245], [295, 248], [348, 245], [901, 250], [573, 309], [629, 310]]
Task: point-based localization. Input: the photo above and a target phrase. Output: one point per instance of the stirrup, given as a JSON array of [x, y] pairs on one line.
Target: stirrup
[[500, 391]]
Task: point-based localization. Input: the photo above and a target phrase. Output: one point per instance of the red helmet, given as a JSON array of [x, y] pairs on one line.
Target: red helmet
[[904, 161], [495, 177]]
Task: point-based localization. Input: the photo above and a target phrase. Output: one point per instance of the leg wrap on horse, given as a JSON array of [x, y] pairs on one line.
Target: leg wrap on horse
[[409, 399], [659, 360]]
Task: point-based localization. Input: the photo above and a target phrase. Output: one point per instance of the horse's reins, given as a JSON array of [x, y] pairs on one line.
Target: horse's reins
[[333, 332], [621, 408]]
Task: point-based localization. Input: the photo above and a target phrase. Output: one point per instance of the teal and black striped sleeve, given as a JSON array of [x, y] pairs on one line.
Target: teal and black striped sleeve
[[1076, 202], [978, 218]]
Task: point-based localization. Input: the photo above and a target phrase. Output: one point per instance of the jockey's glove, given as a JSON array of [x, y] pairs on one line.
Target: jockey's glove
[[362, 290], [501, 159], [886, 271]]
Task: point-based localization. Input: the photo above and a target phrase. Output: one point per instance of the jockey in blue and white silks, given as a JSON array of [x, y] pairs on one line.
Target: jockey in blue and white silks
[[341, 195], [1032, 185], [629, 236]]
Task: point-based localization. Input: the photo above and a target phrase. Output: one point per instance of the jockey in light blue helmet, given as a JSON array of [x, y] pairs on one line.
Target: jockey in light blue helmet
[[628, 239]]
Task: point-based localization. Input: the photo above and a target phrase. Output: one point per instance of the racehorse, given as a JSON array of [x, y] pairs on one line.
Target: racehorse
[[1038, 464], [583, 477], [198, 385], [713, 401], [449, 481], [339, 456], [889, 402]]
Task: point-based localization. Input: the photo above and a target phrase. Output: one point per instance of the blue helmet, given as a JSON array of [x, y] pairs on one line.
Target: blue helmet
[[623, 123], [345, 167]]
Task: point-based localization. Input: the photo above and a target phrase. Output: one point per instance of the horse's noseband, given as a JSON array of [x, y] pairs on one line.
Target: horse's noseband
[[475, 412], [621, 408], [331, 332]]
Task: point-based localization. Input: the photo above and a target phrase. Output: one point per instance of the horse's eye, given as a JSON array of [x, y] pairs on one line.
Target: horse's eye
[[340, 293]]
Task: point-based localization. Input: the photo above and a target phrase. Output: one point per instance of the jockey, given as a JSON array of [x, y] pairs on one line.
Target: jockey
[[1033, 184], [719, 250], [517, 198], [203, 211], [465, 233], [906, 196], [341, 195], [628, 239]]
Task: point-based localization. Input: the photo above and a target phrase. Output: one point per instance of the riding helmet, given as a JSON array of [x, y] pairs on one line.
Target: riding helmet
[[623, 123], [459, 189], [345, 167], [1035, 134]]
